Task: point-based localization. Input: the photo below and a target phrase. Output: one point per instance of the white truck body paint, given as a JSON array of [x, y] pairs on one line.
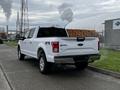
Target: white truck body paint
[[67, 46]]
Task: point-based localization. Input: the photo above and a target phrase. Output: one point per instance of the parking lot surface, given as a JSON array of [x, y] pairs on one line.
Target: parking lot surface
[[25, 75]]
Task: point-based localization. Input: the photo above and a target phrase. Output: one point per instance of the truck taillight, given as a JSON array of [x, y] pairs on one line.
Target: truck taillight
[[98, 45], [55, 47]]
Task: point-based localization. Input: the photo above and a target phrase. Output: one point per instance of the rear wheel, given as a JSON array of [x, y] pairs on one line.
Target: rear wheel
[[21, 56], [81, 62], [81, 65], [43, 64]]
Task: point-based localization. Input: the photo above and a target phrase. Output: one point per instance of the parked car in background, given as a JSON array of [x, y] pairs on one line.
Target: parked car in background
[[1, 41]]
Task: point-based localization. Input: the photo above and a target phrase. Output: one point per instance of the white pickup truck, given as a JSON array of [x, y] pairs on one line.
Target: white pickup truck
[[53, 45]]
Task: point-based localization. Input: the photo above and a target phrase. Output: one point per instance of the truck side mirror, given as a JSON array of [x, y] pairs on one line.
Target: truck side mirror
[[22, 38], [18, 37]]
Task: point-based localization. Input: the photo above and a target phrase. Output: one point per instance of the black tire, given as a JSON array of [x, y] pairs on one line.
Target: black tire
[[44, 66], [21, 56], [1, 41], [81, 65]]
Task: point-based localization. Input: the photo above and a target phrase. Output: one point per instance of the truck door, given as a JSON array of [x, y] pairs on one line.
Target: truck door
[[23, 43], [29, 42]]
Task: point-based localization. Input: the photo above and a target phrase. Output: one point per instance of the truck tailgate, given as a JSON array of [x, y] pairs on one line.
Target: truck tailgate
[[80, 46]]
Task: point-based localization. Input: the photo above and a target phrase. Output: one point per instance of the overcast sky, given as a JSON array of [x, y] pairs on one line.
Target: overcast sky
[[88, 14]]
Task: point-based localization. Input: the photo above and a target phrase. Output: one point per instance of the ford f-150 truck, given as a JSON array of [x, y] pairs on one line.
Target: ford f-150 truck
[[52, 45]]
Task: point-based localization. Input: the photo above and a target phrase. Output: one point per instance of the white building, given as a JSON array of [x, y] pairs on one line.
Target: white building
[[112, 33]]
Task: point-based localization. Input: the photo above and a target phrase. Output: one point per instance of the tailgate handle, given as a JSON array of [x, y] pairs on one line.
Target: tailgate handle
[[80, 44], [80, 39]]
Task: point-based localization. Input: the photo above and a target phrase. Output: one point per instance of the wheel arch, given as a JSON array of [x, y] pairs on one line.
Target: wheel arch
[[40, 49], [18, 47]]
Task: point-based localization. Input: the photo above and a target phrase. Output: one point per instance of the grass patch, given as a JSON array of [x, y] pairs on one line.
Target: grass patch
[[11, 43], [110, 60]]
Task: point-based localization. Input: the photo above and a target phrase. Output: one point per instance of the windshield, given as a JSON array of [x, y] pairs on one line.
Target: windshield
[[52, 32]]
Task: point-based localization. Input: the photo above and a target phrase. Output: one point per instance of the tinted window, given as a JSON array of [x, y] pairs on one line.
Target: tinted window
[[31, 33], [52, 32], [26, 34]]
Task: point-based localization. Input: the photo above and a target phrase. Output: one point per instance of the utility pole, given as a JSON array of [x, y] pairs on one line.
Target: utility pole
[[24, 17], [21, 25], [17, 24], [7, 31]]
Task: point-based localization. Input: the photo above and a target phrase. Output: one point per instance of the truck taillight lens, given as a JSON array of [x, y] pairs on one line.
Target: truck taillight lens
[[98, 45], [55, 47]]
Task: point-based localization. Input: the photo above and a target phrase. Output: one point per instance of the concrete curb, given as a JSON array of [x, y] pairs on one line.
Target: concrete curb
[[6, 81], [6, 78], [103, 71]]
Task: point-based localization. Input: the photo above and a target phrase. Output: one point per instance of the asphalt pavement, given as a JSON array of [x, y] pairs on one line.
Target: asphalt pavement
[[25, 75]]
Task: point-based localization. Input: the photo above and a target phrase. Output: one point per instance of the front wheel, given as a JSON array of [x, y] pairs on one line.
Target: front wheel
[[20, 55]]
